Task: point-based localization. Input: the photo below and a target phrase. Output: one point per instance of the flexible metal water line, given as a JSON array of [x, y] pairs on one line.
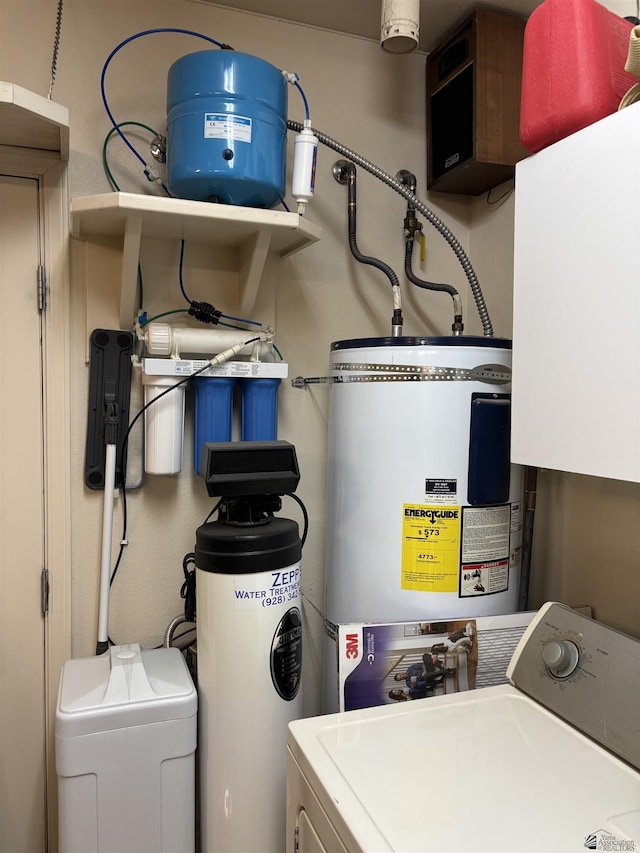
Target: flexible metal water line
[[429, 215], [411, 227], [171, 629], [457, 327], [348, 175]]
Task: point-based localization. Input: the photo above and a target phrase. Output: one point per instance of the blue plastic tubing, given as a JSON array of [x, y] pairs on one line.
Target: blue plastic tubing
[[226, 129]]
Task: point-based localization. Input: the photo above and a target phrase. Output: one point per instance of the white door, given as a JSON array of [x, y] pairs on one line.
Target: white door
[[22, 625]]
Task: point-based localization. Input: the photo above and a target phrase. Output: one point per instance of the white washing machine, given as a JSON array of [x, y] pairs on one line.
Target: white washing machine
[[548, 762]]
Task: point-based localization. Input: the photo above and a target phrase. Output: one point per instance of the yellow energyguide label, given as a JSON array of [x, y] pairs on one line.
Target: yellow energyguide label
[[430, 548]]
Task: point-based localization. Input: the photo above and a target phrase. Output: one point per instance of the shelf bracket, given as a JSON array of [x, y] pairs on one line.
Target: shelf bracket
[[252, 232], [130, 261], [253, 256]]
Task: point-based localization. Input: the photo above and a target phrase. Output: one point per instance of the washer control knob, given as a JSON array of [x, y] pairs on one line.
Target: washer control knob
[[560, 657]]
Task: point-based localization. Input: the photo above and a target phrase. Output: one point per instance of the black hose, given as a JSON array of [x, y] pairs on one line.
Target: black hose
[[427, 285], [457, 326], [374, 262], [350, 170]]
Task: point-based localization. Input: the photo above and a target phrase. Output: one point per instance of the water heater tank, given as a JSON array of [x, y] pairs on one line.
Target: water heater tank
[[424, 508], [226, 129]]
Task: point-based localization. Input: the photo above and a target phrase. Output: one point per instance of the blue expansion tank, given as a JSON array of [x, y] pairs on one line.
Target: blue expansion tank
[[226, 129]]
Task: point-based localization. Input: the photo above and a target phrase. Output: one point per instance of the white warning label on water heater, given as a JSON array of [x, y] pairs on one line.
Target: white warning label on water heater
[[227, 126], [267, 589], [486, 554], [484, 578], [485, 533]]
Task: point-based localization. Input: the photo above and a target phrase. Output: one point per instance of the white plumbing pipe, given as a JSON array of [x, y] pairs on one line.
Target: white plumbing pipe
[[400, 25], [107, 530]]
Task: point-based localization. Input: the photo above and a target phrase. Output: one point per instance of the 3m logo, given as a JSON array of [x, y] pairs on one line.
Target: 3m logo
[[351, 650]]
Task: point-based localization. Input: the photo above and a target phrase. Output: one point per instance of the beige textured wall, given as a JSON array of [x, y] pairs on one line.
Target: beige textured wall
[[587, 546], [372, 102]]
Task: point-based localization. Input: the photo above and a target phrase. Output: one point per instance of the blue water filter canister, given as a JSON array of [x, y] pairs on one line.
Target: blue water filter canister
[[259, 409], [226, 129], [213, 412]]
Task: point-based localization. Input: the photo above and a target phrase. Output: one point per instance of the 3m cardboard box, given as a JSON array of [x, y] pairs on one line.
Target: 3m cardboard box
[[404, 661]]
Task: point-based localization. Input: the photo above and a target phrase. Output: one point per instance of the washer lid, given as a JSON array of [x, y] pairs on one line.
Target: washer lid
[[490, 772]]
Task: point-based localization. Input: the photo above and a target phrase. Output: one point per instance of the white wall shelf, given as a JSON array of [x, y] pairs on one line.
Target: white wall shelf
[[29, 121], [252, 231]]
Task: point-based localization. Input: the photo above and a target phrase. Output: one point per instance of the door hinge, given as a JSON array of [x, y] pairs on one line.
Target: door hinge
[[42, 287], [44, 591], [296, 839]]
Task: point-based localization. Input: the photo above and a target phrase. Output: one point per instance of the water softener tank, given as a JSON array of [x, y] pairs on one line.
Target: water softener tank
[[226, 129], [424, 508], [248, 602]]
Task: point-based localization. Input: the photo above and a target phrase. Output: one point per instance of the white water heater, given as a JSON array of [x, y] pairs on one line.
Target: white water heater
[[424, 508]]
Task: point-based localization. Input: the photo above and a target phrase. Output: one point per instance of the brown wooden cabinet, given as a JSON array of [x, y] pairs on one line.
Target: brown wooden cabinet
[[473, 104]]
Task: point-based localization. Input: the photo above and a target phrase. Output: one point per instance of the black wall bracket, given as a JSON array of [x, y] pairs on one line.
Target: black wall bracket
[[110, 354]]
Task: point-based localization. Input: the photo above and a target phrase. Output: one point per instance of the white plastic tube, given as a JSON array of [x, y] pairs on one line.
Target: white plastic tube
[[107, 531]]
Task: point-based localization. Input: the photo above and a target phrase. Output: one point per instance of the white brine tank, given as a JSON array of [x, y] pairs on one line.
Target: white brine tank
[[424, 508]]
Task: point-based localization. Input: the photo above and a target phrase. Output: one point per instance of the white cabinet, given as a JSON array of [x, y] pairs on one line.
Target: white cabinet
[[253, 232], [576, 329]]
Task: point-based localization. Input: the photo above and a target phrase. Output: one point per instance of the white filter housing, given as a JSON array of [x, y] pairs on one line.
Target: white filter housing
[[424, 509], [164, 424], [305, 150], [162, 339]]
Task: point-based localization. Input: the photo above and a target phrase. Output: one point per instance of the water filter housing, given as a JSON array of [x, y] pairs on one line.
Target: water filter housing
[[424, 508], [226, 129], [164, 423], [213, 412], [213, 418]]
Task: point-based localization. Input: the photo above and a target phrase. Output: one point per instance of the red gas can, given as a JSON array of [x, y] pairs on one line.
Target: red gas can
[[573, 69]]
